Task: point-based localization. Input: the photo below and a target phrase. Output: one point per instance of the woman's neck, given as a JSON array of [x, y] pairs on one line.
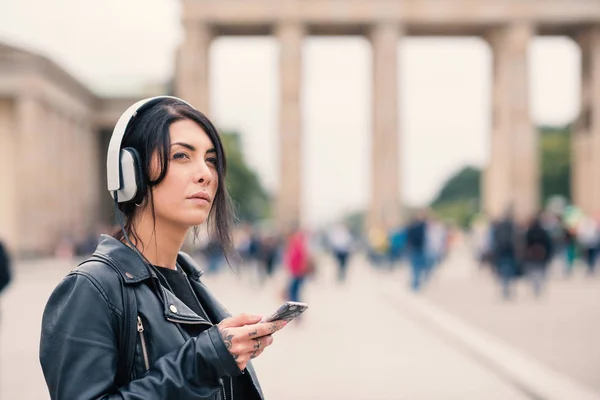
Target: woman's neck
[[161, 243]]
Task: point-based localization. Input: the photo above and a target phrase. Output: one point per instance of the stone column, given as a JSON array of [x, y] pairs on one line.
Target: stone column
[[92, 182], [54, 128], [28, 113], [586, 132], [288, 206], [385, 202], [9, 156], [512, 177], [192, 79], [66, 169]]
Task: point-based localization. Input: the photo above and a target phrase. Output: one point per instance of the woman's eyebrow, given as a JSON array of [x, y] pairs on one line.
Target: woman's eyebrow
[[187, 146], [213, 150]]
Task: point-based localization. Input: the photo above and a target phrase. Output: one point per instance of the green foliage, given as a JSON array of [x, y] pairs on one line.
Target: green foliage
[[249, 197], [459, 198], [464, 185], [556, 162]]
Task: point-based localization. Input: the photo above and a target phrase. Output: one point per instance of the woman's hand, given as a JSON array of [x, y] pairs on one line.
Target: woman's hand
[[246, 337]]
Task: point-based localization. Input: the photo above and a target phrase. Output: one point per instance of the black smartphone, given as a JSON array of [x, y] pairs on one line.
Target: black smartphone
[[288, 311]]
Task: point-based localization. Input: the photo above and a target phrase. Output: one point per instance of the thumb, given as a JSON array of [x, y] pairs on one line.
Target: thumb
[[240, 320]]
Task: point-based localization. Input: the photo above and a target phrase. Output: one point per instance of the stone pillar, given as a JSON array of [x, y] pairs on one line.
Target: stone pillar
[[54, 127], [65, 169], [29, 173], [45, 221], [287, 212], [512, 176], [9, 188], [92, 182], [585, 162], [385, 202], [192, 79]]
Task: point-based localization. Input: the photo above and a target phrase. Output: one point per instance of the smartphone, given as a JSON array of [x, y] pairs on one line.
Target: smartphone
[[288, 311]]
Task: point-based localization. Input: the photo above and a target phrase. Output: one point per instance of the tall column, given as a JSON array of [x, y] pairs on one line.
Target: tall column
[[28, 112], [54, 198], [192, 79], [385, 203], [287, 212], [9, 217], [512, 177], [586, 132]]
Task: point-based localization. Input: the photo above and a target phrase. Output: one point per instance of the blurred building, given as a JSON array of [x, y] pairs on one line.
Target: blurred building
[[53, 138], [54, 131]]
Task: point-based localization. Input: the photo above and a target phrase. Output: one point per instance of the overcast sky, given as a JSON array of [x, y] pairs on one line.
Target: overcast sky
[[117, 47]]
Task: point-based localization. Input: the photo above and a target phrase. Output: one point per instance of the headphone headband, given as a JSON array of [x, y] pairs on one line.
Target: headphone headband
[[113, 158]]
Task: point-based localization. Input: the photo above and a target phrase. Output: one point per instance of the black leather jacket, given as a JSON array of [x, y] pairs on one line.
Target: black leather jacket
[[82, 322]]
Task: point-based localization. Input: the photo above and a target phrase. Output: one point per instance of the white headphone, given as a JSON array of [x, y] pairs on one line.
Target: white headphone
[[124, 170]]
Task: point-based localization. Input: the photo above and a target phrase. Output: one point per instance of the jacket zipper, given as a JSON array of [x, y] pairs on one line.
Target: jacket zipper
[[224, 396], [140, 328]]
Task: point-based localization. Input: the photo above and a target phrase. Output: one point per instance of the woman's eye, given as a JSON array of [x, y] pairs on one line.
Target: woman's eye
[[178, 156], [212, 160]]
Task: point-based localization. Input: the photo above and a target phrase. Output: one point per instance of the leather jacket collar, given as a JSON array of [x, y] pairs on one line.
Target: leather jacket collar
[[133, 271]]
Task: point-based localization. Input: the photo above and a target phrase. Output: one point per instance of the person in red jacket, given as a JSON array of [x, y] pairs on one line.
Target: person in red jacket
[[296, 258]]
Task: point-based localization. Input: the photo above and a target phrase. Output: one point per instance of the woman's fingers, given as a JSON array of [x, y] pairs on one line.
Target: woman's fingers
[[246, 339], [264, 328], [240, 320], [260, 345]]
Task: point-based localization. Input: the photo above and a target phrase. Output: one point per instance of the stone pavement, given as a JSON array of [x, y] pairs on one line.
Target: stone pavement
[[354, 343], [561, 329]]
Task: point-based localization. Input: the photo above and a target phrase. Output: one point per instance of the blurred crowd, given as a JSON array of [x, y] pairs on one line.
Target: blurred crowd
[[509, 249], [524, 249]]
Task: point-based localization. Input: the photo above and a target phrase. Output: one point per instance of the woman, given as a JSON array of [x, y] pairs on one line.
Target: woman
[[186, 346]]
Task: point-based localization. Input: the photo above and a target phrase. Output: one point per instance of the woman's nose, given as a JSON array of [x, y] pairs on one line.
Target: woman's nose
[[203, 173]]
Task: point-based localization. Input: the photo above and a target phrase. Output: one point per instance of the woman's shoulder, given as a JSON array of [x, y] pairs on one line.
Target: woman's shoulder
[[99, 275]]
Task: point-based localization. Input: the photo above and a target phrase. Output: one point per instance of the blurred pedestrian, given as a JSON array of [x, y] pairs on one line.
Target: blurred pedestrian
[[5, 267], [340, 242], [297, 260], [588, 235], [537, 254], [267, 254], [570, 249], [505, 252], [416, 239]]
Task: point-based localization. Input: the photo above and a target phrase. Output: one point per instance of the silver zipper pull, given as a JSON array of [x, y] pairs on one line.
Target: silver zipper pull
[[140, 326]]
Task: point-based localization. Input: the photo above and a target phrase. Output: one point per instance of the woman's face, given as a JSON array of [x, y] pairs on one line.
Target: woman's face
[[186, 194]]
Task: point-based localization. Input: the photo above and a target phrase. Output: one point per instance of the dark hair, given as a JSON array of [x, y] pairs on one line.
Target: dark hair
[[148, 133]]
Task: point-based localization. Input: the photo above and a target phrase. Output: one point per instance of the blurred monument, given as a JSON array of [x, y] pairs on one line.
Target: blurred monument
[[54, 130]]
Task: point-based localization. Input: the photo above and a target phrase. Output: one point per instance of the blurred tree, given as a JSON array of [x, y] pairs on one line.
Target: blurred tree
[[463, 185], [459, 198], [251, 200], [556, 162]]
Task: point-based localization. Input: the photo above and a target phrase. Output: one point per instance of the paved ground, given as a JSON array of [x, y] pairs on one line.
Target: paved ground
[[561, 329], [353, 344]]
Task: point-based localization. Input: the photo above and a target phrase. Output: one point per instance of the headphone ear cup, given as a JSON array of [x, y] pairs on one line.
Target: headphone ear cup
[[140, 181], [133, 188]]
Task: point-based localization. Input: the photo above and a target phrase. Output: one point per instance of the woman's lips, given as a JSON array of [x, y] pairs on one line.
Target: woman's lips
[[200, 198]]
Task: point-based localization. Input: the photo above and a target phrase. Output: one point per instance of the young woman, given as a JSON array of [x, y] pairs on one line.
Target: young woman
[[184, 344]]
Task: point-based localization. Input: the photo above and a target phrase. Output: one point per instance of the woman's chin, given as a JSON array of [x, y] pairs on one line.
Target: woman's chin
[[195, 218]]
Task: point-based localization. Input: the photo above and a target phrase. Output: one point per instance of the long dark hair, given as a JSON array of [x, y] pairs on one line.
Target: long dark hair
[[148, 133]]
